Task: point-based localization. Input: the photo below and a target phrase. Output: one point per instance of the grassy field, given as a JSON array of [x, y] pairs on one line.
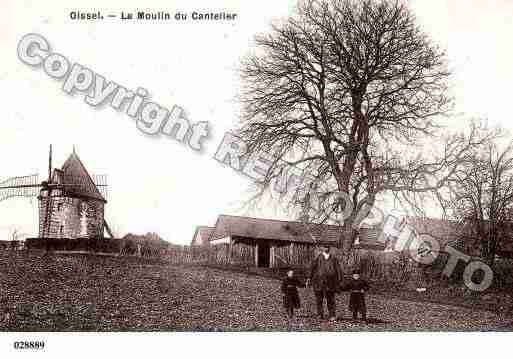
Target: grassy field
[[91, 293]]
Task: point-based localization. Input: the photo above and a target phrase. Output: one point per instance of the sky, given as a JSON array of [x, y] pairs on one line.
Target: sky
[[158, 184]]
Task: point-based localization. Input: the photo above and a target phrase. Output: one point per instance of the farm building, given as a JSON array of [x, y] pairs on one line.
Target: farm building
[[445, 232], [273, 243], [201, 235], [72, 206]]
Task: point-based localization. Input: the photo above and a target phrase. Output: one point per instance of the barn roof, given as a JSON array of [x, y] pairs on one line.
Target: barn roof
[[271, 229], [77, 180], [453, 233], [445, 231]]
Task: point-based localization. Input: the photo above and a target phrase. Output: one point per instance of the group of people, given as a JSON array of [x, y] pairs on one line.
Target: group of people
[[325, 278]]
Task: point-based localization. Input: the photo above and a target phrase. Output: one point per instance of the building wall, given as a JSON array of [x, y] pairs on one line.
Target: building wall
[[283, 254], [220, 253], [242, 251], [70, 217], [293, 254]]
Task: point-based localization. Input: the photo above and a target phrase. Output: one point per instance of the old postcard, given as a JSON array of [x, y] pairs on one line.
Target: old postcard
[[337, 169]]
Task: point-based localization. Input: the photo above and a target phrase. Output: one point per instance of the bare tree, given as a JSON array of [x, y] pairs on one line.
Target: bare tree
[[480, 197], [350, 92]]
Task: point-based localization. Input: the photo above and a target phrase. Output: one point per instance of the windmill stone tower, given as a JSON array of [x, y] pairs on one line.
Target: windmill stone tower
[[70, 205]]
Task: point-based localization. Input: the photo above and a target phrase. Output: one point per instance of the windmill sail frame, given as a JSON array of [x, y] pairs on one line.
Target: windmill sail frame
[[29, 186], [20, 186]]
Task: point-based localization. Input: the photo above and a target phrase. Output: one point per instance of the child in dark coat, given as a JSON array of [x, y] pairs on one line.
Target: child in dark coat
[[291, 299], [357, 287]]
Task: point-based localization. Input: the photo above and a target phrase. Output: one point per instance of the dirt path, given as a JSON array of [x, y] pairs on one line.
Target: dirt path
[[87, 293], [230, 301]]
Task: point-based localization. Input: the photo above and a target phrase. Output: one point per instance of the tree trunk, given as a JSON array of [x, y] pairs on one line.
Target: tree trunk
[[346, 243]]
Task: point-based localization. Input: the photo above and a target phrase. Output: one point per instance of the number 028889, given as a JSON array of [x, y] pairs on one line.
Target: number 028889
[[30, 345]]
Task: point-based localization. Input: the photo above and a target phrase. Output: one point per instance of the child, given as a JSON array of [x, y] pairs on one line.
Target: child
[[290, 294], [357, 287]]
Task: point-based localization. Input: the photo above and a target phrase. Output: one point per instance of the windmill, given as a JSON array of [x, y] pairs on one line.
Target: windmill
[[71, 202]]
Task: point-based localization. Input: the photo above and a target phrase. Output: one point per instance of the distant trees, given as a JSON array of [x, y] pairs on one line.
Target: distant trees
[[352, 94], [147, 245], [480, 196]]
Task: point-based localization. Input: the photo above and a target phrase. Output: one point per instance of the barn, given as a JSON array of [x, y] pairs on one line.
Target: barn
[[202, 235], [447, 232], [273, 243]]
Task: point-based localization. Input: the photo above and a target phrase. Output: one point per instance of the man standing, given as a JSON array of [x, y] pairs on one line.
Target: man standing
[[325, 277]]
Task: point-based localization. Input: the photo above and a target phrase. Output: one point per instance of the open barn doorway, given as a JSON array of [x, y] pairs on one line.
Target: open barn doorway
[[264, 255]]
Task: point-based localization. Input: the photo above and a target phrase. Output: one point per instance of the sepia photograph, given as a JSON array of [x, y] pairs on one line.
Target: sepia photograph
[[306, 175]]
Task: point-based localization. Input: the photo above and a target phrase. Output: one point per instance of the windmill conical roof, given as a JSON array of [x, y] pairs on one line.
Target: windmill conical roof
[[76, 179]]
